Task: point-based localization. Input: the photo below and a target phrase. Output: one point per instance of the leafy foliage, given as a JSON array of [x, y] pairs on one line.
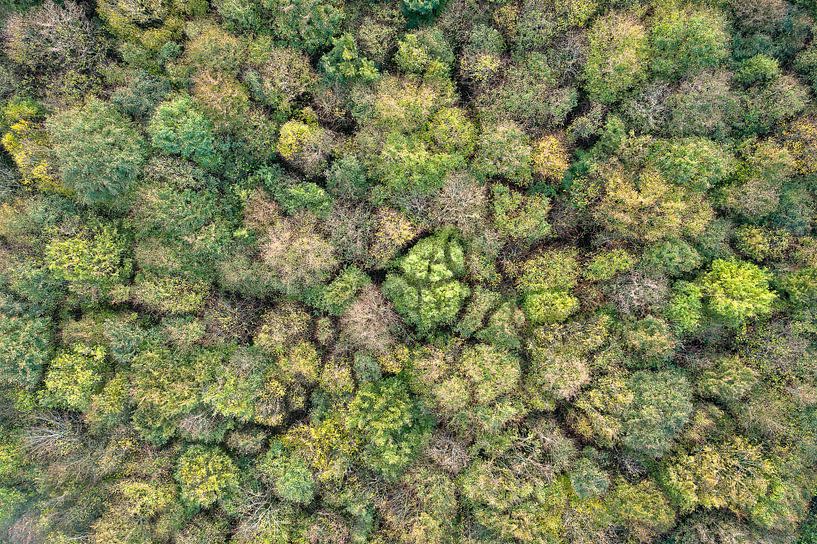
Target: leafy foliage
[[413, 272]]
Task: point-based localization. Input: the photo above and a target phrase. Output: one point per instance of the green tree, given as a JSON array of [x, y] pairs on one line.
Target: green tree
[[25, 348], [178, 127], [617, 57], [662, 404], [99, 151], [416, 51], [608, 264], [206, 476], [641, 508], [504, 152], [304, 24], [697, 163], [305, 145], [74, 376], [733, 475], [344, 63], [420, 7], [685, 308], [388, 426], [685, 41], [97, 259], [289, 474], [545, 282], [426, 291], [491, 371], [736, 291], [728, 380], [644, 411], [521, 217]]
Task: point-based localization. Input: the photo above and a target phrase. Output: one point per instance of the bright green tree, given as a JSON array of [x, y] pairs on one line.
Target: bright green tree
[[388, 426], [206, 475], [426, 289]]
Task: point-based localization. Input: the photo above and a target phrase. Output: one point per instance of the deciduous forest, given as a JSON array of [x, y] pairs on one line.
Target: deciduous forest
[[408, 272]]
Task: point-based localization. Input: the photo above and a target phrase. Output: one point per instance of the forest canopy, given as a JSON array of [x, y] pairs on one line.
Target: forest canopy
[[408, 272]]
